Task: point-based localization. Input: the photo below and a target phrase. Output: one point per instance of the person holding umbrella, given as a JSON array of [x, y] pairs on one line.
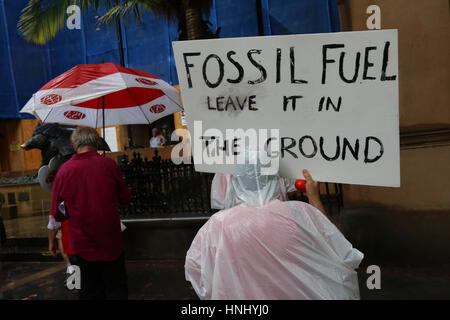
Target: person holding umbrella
[[89, 187]]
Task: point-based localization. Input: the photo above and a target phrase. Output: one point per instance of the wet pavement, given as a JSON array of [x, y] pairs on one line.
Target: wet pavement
[[160, 280], [402, 283], [153, 280], [27, 227], [25, 278]]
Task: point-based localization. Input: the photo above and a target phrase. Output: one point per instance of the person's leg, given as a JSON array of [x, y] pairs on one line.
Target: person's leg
[[61, 249], [115, 279], [91, 278], [65, 257]]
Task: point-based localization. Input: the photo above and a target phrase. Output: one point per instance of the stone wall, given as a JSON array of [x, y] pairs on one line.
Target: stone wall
[[424, 77], [24, 200]]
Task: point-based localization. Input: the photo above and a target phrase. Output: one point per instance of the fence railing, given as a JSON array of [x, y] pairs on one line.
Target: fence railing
[[160, 187]]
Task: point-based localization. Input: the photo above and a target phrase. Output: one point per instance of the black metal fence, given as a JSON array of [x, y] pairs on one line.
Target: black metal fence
[[162, 188]]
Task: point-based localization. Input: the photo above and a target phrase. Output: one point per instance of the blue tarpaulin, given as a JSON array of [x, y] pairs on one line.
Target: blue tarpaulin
[[25, 67]]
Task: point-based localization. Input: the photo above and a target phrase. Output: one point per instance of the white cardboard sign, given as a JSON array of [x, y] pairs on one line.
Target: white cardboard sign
[[333, 97]]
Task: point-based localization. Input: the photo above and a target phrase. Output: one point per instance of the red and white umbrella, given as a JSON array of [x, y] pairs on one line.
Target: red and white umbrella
[[101, 95]]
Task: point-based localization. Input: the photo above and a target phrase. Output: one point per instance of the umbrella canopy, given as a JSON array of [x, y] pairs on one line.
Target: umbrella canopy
[[99, 95]]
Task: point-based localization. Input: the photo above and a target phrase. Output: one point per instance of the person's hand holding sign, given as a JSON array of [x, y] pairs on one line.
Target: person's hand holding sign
[[313, 191], [312, 187]]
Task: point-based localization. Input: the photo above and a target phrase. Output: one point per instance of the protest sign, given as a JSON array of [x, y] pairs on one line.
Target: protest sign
[[332, 98]]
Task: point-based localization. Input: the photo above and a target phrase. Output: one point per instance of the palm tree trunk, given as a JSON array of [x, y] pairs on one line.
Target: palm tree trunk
[[193, 18]]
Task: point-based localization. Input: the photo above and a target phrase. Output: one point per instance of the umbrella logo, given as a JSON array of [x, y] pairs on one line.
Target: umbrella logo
[[51, 99], [74, 115], [157, 108], [146, 81]]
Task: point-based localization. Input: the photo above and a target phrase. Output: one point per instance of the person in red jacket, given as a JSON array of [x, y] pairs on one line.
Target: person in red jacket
[[87, 192]]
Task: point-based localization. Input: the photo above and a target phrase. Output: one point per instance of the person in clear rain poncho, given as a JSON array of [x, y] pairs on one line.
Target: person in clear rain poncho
[[260, 246]]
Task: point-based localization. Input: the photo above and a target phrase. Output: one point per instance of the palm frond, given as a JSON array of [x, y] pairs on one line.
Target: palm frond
[[170, 9], [41, 20], [123, 10], [134, 8]]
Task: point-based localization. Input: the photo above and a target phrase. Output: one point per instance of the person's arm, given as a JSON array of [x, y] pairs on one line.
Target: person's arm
[[313, 192], [53, 228]]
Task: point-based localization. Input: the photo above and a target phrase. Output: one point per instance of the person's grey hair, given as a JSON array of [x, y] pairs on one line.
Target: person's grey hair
[[85, 136]]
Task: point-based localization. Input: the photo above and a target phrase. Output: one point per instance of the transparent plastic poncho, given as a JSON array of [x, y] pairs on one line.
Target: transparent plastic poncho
[[249, 185], [262, 247]]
